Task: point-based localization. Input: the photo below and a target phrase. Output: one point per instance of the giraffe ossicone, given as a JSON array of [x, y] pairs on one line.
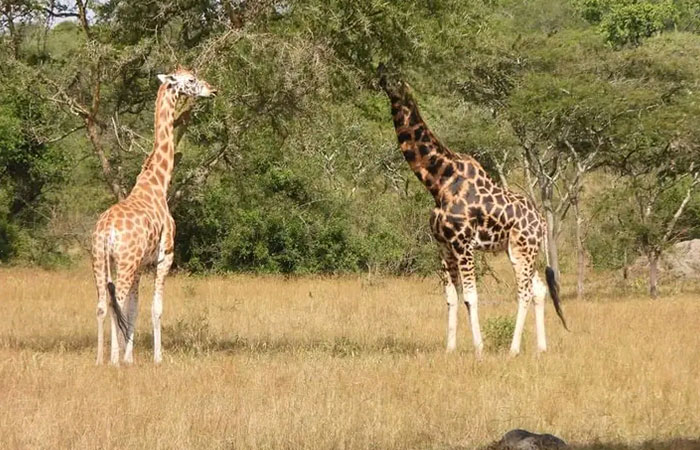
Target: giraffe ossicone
[[139, 230], [472, 213]]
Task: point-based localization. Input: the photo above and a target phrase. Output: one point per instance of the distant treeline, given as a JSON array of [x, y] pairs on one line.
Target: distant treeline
[[589, 106]]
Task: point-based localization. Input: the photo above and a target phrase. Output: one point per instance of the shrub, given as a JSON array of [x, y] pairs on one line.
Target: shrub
[[498, 333]]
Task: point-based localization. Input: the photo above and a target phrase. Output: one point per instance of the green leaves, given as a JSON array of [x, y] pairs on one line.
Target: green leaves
[[293, 167], [629, 22]]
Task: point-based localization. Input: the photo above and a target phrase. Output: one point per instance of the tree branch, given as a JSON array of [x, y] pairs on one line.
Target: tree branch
[[684, 203]]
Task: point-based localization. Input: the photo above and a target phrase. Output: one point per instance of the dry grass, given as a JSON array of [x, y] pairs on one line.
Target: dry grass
[[264, 362]]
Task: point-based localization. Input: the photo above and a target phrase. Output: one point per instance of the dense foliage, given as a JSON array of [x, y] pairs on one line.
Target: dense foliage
[[294, 167]]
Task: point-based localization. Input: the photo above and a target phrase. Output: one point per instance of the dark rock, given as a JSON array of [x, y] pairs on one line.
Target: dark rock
[[525, 440]]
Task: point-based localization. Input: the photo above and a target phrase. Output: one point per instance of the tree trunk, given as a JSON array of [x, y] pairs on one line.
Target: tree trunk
[[107, 171], [653, 274], [15, 38], [501, 176], [552, 251], [580, 256]]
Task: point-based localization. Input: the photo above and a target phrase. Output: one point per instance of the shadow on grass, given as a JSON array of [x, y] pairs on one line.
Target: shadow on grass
[[49, 344], [198, 341], [673, 444], [194, 336]]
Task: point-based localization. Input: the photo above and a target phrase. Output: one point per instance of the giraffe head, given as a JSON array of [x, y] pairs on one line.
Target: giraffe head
[[395, 88], [186, 83]]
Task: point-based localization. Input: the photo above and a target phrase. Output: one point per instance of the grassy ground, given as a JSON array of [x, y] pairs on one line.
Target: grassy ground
[[264, 362]]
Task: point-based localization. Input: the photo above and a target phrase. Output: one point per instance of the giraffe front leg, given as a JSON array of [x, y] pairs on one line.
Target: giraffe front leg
[[450, 280], [471, 299], [157, 308], [133, 311]]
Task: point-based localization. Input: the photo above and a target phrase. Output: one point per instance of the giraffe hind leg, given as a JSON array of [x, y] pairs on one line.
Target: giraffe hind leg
[[523, 273], [114, 339], [132, 313], [101, 314], [120, 324], [100, 272], [539, 293]]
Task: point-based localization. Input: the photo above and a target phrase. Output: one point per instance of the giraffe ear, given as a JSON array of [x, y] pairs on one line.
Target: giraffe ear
[[166, 78]]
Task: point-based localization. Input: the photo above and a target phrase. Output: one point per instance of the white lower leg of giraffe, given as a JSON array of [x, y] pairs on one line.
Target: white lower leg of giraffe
[[539, 292], [131, 318], [472, 301], [114, 340], [165, 261], [519, 325], [156, 313], [452, 306], [101, 314]]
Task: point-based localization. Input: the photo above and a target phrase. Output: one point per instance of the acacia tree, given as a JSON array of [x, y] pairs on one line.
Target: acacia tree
[[558, 116], [660, 175], [101, 66]]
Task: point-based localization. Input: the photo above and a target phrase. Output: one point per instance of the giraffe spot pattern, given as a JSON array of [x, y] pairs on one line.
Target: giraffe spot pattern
[[472, 211]]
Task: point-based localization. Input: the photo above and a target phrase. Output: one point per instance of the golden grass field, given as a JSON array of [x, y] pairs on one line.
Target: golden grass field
[[342, 363]]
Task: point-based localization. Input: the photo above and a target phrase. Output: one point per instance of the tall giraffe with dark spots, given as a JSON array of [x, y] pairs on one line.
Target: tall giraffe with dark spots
[[139, 230], [472, 213]]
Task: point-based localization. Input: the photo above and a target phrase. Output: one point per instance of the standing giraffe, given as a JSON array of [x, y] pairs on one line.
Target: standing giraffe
[[472, 213], [139, 230]]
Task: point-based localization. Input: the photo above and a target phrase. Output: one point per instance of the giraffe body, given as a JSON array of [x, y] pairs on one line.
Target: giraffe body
[[472, 213], [139, 231]]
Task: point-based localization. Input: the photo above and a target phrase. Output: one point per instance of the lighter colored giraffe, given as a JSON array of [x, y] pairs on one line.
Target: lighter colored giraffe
[[472, 213], [139, 230]]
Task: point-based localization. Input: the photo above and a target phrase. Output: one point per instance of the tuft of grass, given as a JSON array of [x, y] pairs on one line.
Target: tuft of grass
[[498, 333], [190, 335]]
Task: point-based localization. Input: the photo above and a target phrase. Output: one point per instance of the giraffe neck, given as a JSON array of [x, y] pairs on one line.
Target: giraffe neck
[[431, 161], [157, 169]]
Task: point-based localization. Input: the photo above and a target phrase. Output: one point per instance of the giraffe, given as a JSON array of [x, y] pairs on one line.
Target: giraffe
[[139, 230], [472, 213]]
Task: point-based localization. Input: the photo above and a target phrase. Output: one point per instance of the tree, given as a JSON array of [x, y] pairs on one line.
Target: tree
[[548, 90], [29, 164], [661, 174]]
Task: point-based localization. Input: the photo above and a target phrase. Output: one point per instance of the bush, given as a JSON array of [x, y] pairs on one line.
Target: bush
[[498, 333]]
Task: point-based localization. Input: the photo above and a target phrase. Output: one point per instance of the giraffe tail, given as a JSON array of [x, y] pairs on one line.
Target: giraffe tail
[[119, 314], [554, 292]]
